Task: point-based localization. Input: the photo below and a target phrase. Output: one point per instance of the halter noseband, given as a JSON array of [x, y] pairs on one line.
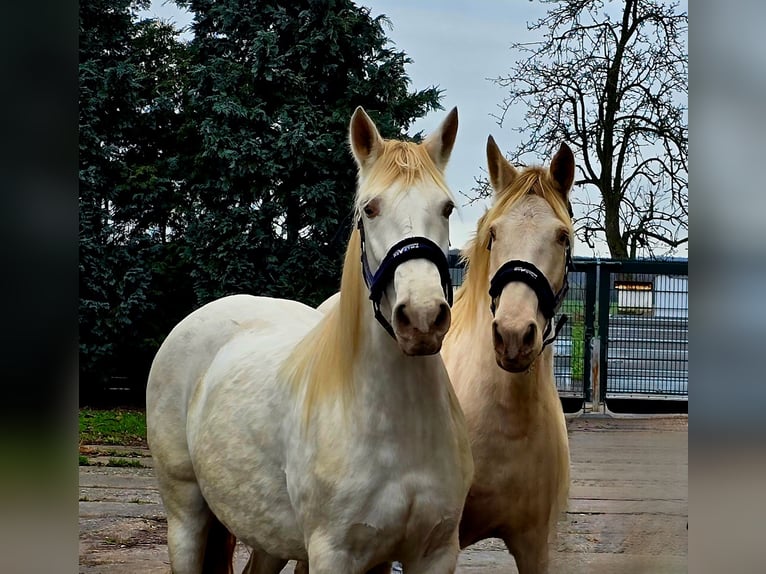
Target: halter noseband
[[548, 301], [405, 250]]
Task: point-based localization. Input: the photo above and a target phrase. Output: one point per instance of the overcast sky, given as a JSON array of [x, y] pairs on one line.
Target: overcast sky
[[457, 46]]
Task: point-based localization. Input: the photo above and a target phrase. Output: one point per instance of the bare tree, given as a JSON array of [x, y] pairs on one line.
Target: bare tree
[[615, 88]]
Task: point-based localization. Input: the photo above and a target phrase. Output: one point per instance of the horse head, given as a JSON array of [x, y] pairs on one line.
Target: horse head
[[402, 209], [527, 233]]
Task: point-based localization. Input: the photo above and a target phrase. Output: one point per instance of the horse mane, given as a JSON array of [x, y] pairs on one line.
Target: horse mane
[[323, 362], [473, 295], [400, 165]]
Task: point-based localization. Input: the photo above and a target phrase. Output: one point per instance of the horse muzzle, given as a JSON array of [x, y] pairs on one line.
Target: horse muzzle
[[517, 344], [420, 329]]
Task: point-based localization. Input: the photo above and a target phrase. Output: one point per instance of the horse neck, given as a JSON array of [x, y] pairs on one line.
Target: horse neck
[[520, 396], [525, 393], [388, 379]]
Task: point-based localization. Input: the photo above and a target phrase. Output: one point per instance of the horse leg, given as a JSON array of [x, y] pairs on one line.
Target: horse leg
[[333, 562], [302, 567], [189, 522], [328, 557], [262, 563], [441, 561], [530, 550]]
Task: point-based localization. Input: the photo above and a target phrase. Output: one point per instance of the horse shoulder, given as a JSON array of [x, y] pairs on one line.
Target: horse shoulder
[[329, 303]]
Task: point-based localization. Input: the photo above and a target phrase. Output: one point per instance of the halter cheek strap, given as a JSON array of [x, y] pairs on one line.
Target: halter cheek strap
[[401, 252]]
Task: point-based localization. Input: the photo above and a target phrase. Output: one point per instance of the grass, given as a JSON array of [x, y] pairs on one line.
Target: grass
[[578, 351], [97, 451], [113, 427], [125, 462], [113, 461], [575, 309]]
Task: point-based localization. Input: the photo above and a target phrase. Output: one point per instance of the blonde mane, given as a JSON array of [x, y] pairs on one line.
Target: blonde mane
[[400, 166], [325, 359], [472, 297]]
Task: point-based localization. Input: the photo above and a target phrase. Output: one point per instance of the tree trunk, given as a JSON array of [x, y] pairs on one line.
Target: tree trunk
[[618, 248]]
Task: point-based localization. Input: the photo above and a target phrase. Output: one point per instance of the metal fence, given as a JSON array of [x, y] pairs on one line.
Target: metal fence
[[645, 337], [569, 366], [633, 318]]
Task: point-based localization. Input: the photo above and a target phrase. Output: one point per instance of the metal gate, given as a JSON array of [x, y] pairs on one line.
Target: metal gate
[[643, 329], [627, 336]]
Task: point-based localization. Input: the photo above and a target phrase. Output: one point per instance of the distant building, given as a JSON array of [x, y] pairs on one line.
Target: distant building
[[671, 296], [634, 297]]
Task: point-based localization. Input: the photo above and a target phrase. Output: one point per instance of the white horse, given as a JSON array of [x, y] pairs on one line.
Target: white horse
[[500, 360], [337, 438]]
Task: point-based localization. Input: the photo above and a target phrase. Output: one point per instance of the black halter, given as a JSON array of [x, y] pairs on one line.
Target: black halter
[[548, 301], [405, 250]]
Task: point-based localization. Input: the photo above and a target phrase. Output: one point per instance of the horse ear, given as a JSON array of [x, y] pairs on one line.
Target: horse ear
[[562, 169], [364, 138], [439, 144], [501, 172]]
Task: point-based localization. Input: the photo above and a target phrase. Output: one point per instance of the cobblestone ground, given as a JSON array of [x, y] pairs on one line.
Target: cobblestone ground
[[628, 507]]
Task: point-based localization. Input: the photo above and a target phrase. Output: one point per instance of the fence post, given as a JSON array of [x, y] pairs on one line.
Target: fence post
[[590, 330], [604, 294], [595, 366]]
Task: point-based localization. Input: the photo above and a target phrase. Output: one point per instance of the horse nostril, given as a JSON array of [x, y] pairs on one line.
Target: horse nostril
[[497, 338], [400, 316], [442, 319], [529, 336]]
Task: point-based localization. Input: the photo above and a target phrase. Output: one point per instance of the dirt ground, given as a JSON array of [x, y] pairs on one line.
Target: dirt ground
[[628, 507]]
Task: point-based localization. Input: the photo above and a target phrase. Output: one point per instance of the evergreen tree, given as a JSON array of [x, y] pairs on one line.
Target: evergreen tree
[[219, 166], [129, 106], [271, 89]]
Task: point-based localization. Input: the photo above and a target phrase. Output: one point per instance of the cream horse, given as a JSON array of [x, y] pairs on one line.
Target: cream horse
[[501, 364], [321, 437]]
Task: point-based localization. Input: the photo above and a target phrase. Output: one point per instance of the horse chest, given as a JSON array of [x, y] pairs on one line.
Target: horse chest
[[519, 468], [412, 509], [382, 488]]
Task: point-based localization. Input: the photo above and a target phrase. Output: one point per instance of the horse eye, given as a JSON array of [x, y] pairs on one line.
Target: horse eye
[[563, 237], [372, 209], [491, 238], [447, 211]]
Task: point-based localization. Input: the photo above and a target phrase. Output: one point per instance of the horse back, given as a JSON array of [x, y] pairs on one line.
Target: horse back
[[188, 351]]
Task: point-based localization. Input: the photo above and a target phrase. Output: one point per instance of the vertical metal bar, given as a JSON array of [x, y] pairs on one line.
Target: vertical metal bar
[[604, 294], [590, 328], [594, 375]]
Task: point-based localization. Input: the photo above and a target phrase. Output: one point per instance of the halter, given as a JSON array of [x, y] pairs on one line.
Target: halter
[[548, 301], [402, 251], [526, 272]]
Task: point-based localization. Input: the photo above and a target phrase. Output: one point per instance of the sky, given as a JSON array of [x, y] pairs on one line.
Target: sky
[[458, 46]]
